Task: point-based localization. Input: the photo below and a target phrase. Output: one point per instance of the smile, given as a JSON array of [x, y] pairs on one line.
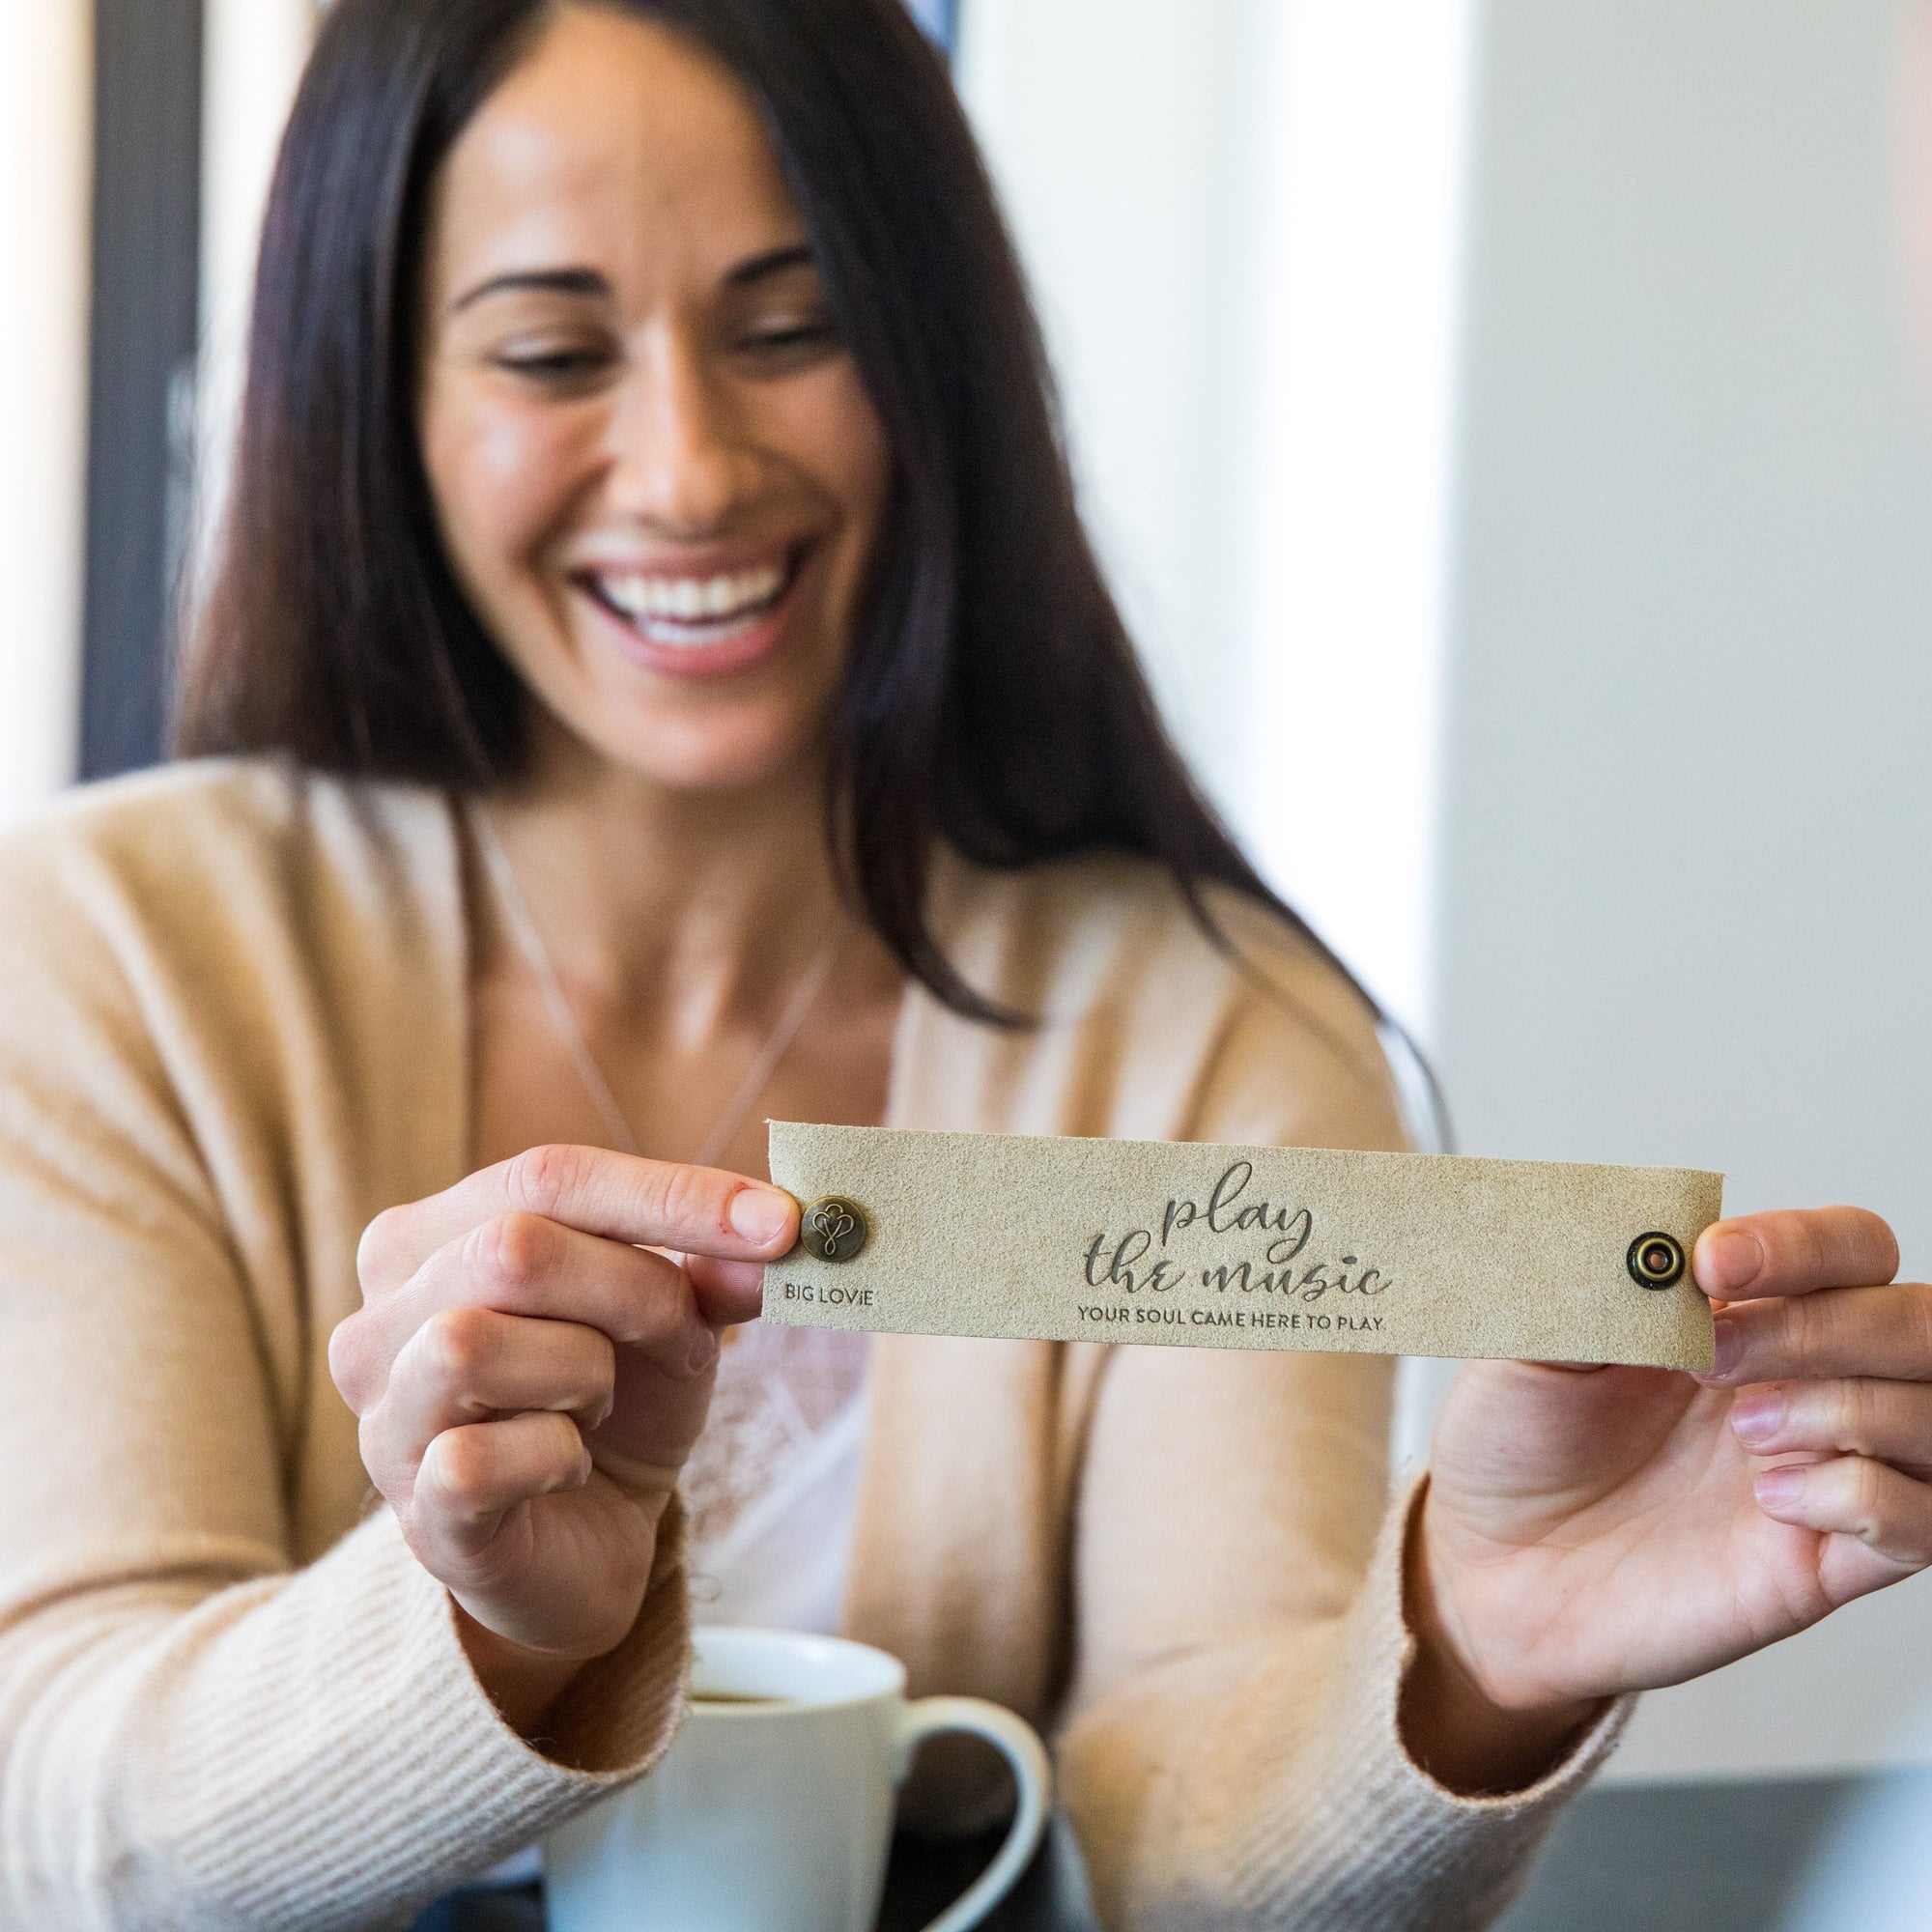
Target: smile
[[690, 613]]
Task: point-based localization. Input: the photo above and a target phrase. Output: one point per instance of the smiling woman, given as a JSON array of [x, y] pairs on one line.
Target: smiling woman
[[822, 362], [656, 469], [658, 677]]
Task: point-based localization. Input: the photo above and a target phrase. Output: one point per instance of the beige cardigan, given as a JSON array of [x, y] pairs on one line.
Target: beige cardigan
[[234, 1024]]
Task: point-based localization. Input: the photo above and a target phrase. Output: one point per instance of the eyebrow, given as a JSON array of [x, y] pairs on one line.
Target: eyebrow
[[588, 282], [558, 281], [795, 255]]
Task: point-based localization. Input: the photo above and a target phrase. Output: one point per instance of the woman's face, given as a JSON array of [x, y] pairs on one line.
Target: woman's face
[[657, 475]]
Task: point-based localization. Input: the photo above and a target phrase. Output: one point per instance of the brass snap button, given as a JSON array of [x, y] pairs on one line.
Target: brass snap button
[[834, 1228], [1656, 1260]]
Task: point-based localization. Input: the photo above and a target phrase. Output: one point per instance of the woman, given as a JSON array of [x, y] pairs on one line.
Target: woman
[[661, 683]]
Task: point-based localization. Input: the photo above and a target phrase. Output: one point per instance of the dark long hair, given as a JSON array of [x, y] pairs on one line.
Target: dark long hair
[[992, 697]]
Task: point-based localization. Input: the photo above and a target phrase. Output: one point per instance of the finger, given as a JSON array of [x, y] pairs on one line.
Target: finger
[[1793, 1251], [1858, 1416], [699, 1210], [470, 1364], [727, 1292], [1851, 1495], [471, 1477], [1884, 1332], [523, 1264]]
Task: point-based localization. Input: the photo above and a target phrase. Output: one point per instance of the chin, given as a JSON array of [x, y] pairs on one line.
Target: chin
[[711, 760]]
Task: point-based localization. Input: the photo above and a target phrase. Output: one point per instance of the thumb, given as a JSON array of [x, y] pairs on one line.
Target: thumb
[[727, 1293]]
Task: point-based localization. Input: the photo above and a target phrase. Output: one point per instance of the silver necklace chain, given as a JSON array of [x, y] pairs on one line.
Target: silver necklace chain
[[529, 935]]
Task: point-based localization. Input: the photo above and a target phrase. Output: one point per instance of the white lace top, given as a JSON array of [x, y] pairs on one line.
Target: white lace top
[[773, 1485]]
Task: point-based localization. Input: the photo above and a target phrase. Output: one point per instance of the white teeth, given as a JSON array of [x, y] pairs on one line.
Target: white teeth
[[688, 600]]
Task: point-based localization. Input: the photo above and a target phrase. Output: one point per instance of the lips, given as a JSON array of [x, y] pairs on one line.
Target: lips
[[696, 622]]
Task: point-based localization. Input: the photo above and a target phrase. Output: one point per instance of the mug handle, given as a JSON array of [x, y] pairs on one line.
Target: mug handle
[[1017, 1740]]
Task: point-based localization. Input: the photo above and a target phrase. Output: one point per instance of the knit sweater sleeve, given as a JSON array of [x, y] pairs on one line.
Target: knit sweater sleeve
[[1232, 1755], [1260, 1780], [195, 1729]]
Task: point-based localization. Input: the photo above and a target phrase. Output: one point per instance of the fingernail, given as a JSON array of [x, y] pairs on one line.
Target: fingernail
[[703, 1350], [761, 1214], [1758, 1415], [1730, 1261], [1779, 1488], [1730, 1346]]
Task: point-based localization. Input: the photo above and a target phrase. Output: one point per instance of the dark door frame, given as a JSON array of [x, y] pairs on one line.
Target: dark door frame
[[145, 319]]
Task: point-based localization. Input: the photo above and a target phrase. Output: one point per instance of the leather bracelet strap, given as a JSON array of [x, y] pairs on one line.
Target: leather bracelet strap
[[1233, 1247]]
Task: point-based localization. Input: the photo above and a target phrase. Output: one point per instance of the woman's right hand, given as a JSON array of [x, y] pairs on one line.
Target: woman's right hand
[[529, 1378]]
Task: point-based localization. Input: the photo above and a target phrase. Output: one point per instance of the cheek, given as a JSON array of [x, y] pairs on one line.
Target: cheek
[[866, 471], [850, 460], [503, 478]]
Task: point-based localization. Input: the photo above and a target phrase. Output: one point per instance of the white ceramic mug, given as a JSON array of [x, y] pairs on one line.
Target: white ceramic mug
[[772, 1812]]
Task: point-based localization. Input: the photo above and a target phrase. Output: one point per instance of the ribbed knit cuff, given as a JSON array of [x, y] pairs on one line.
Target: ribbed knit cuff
[[1383, 1601], [1435, 1859], [321, 1754]]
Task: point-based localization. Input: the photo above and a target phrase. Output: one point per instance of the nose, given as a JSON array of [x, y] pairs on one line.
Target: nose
[[679, 463]]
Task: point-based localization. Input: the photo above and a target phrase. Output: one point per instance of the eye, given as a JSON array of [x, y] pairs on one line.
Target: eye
[[554, 365], [786, 343]]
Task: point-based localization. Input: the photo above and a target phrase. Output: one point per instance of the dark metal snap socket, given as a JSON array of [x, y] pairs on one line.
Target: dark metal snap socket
[[1656, 1260], [834, 1229]]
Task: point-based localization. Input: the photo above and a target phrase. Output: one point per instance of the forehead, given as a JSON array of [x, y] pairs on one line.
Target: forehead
[[616, 144]]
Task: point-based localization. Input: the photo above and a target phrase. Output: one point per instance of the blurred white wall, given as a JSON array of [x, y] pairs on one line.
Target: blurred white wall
[[47, 134], [1683, 910], [1128, 139], [253, 54], [1353, 406], [1242, 224]]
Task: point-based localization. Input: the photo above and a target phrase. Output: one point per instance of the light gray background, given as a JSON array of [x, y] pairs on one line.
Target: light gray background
[[1683, 912], [1685, 742]]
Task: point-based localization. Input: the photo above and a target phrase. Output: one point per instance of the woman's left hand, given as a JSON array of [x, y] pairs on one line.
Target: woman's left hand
[[1589, 1531]]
